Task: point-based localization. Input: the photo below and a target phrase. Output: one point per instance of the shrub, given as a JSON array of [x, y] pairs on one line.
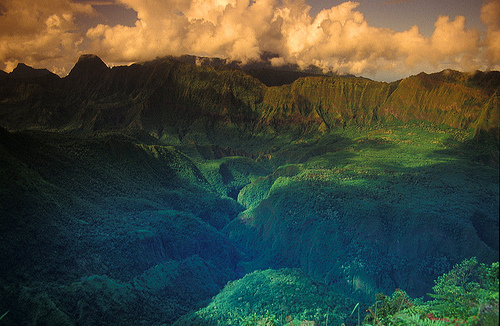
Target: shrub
[[466, 295]]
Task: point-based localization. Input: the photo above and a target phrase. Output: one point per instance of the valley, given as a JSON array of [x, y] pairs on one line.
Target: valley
[[168, 193]]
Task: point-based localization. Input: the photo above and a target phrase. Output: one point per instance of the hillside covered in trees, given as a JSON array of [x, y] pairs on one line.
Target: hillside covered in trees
[[167, 192]]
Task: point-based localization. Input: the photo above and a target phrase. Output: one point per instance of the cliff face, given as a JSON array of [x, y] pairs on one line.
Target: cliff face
[[331, 101], [168, 97], [424, 97], [132, 195]]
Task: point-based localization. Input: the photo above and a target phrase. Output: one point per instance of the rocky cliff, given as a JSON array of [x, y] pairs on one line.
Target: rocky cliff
[[137, 195], [173, 99]]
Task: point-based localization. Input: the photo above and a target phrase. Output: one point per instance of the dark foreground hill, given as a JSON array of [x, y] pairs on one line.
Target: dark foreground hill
[[133, 195]]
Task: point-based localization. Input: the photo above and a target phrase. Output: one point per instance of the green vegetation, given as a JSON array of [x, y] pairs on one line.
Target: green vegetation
[[466, 295], [113, 211], [330, 215], [165, 192], [273, 297], [355, 196]]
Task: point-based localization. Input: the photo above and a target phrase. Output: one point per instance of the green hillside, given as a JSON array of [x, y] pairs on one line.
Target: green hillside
[[165, 193], [210, 104]]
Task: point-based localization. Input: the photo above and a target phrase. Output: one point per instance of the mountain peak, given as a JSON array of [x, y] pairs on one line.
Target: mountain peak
[[88, 65], [24, 71], [90, 58]]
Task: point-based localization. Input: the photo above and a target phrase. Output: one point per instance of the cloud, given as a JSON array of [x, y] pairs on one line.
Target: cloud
[[490, 16], [450, 46], [338, 38], [38, 34], [220, 28]]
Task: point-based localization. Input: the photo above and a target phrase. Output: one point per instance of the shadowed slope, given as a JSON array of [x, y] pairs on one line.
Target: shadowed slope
[[183, 102], [160, 182], [95, 217]]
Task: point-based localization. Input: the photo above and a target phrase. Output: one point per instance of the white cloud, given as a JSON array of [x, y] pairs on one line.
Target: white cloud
[[338, 38]]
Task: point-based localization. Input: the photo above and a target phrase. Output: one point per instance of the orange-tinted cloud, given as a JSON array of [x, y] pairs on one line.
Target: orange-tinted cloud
[[490, 16], [38, 31], [338, 38]]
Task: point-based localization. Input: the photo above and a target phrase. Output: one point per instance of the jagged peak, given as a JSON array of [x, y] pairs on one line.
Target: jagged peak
[[88, 65], [24, 71]]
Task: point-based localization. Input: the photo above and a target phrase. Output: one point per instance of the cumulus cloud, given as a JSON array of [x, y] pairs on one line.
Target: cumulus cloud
[[224, 28], [338, 38], [38, 33], [490, 16]]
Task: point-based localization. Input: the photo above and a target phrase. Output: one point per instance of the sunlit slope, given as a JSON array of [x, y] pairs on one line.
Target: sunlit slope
[[373, 210], [424, 97], [132, 195], [183, 102], [330, 101]]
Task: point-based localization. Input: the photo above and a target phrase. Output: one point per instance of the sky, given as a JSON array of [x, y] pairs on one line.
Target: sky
[[378, 39]]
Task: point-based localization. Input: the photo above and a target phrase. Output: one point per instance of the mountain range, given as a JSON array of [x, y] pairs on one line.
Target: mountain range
[[172, 98], [191, 191]]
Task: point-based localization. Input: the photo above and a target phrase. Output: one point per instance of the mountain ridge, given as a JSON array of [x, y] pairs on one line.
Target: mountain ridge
[[139, 194], [23, 71], [94, 97]]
